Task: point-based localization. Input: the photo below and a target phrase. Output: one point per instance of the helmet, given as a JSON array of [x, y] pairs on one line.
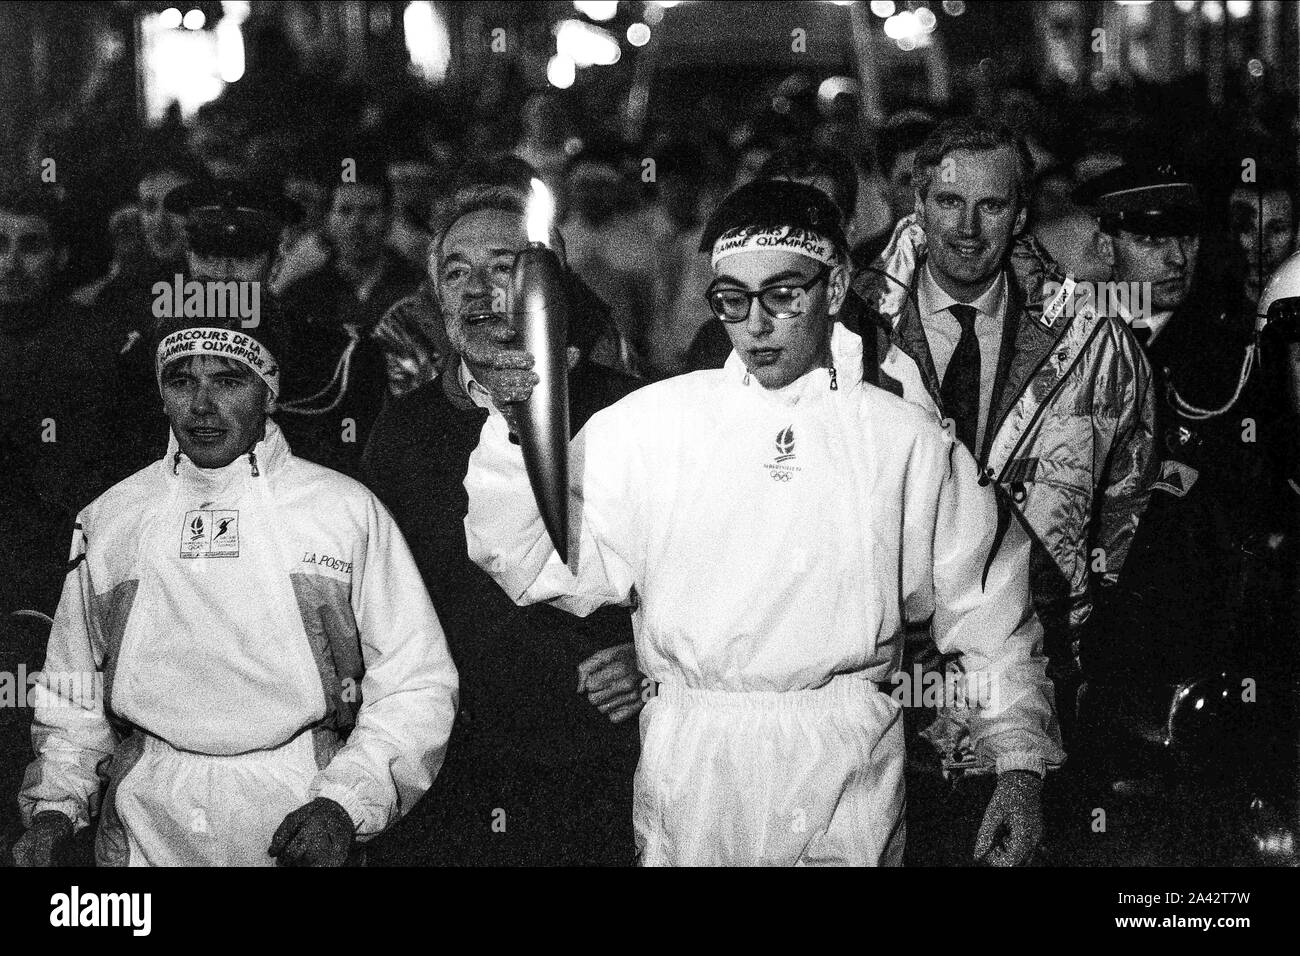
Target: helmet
[[1279, 305], [1211, 721]]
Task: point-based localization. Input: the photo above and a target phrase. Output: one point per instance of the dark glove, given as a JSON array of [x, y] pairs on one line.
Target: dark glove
[[46, 842], [1013, 820], [318, 834]]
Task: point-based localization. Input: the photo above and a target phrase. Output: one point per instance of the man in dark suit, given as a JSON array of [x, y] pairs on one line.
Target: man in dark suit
[[1052, 397], [539, 771]]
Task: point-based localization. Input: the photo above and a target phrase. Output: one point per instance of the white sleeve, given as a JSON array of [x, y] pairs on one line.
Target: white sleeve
[[408, 693], [506, 536], [982, 610], [70, 733]]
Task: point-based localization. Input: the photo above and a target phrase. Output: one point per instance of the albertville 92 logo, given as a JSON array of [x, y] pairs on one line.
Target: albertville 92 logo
[[784, 445], [210, 534]]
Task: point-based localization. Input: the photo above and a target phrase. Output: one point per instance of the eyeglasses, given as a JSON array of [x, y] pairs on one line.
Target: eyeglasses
[[779, 301]]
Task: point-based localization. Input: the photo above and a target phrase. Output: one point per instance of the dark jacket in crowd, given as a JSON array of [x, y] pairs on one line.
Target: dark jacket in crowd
[[124, 307], [58, 441], [525, 740], [1206, 587], [325, 296], [335, 376]]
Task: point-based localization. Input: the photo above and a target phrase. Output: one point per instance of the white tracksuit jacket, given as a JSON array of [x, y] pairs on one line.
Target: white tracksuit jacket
[[261, 637], [772, 544]]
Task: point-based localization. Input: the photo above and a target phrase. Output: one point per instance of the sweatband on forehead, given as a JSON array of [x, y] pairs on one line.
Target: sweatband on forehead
[[803, 242], [219, 343]]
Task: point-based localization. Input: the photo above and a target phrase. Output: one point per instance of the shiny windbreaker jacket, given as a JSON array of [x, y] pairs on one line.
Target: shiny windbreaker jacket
[[232, 611], [1070, 444]]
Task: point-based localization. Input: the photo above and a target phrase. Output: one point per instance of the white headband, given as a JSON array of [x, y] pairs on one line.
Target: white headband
[[220, 343], [803, 242]]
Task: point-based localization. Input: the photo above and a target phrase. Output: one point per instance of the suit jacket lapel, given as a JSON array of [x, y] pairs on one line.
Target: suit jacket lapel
[[911, 339]]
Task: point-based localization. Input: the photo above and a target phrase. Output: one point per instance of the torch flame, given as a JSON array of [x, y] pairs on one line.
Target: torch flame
[[540, 214]]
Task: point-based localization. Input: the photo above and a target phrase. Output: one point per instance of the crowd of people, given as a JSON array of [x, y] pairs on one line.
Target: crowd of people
[[962, 404]]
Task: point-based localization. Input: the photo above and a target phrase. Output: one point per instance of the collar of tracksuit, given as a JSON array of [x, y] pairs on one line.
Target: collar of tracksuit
[[837, 378], [263, 461]]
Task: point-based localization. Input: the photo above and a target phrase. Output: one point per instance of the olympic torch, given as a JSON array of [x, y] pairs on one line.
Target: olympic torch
[[539, 300]]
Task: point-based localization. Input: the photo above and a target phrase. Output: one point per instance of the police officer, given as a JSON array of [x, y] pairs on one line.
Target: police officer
[[233, 228], [1195, 598]]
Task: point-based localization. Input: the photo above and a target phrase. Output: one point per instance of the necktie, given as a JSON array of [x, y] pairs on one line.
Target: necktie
[[960, 391]]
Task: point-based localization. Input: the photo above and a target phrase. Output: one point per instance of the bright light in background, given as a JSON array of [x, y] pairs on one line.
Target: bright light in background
[[1239, 8], [194, 20], [954, 8], [598, 10], [428, 41], [190, 67], [230, 39], [540, 214], [882, 8], [926, 18], [561, 72], [1185, 6], [638, 34], [903, 26], [666, 4], [832, 87], [179, 66], [586, 45], [1212, 11]]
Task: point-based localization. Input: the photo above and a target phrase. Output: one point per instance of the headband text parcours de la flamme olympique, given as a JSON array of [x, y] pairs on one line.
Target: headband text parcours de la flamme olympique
[[219, 343], [802, 242]]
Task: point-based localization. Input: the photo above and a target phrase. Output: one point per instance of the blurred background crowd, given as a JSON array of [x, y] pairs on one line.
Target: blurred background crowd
[[639, 116]]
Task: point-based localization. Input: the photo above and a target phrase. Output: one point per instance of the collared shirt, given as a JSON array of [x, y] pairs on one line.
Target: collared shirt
[[479, 395], [942, 330]]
